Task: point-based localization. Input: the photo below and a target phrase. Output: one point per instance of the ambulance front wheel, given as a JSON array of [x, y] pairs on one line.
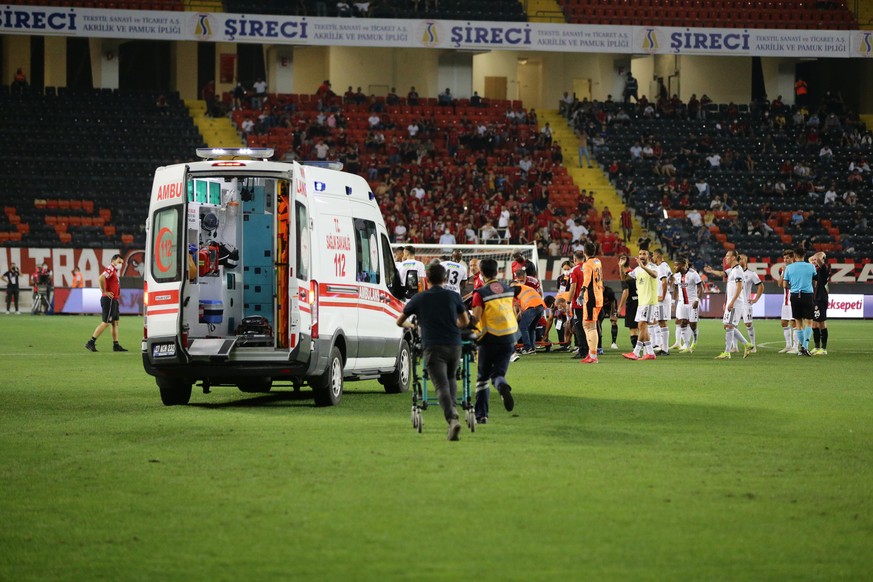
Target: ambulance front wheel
[[174, 391], [328, 387], [398, 381]]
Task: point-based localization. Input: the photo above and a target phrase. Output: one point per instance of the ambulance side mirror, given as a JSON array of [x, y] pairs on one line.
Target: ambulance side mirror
[[411, 284]]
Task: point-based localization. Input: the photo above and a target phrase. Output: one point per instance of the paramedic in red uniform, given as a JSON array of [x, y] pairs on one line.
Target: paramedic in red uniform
[[110, 288]]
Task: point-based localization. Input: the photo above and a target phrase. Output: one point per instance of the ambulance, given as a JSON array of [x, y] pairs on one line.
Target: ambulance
[[259, 273]]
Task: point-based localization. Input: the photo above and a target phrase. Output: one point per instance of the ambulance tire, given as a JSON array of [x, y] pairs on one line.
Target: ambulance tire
[[398, 381], [255, 385], [174, 391], [328, 387]]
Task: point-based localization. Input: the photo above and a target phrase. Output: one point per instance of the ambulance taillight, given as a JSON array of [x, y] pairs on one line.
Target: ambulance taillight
[[313, 307]]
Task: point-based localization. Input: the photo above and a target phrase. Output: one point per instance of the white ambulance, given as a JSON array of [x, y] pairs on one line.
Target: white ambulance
[[261, 272]]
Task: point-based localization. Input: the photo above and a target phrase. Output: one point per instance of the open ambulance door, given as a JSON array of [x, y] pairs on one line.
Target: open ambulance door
[[166, 263], [303, 295]]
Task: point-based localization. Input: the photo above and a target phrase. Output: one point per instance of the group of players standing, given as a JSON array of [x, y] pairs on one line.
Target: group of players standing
[[502, 313]]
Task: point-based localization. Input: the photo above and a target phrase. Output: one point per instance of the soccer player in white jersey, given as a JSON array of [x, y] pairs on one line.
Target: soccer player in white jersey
[[689, 288], [750, 280], [646, 277], [661, 333], [787, 317], [410, 263], [456, 272], [734, 308]]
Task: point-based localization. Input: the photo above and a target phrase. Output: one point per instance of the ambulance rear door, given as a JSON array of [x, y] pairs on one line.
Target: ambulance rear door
[[302, 297], [166, 262]]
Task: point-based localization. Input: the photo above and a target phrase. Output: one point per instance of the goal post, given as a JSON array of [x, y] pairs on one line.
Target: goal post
[[427, 253]]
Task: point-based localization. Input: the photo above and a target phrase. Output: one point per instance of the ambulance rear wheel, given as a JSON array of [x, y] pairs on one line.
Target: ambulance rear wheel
[[398, 381], [250, 385], [328, 387], [174, 391]]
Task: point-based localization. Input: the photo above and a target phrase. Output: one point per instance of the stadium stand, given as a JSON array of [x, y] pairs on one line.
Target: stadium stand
[[756, 177], [497, 10], [81, 164], [470, 163], [777, 14]]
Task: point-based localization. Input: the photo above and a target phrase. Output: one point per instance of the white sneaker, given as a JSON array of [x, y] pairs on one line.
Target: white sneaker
[[514, 357], [675, 346], [785, 350], [793, 350], [614, 346]]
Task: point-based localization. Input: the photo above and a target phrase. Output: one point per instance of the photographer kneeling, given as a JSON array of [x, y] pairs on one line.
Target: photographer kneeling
[[441, 315]]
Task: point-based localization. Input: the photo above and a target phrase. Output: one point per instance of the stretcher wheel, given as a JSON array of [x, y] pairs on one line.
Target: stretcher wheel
[[416, 420], [471, 419]]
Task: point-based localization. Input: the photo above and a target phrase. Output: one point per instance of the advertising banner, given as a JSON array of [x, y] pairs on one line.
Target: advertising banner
[[442, 34]]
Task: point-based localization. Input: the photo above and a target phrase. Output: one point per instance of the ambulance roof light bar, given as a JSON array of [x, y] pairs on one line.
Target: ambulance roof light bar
[[254, 153], [329, 164]]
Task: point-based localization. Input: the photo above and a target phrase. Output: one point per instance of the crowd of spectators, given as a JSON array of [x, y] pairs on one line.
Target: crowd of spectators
[[693, 171], [467, 170]]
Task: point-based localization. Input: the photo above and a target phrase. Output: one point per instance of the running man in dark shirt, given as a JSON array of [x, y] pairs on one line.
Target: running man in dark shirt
[[441, 315]]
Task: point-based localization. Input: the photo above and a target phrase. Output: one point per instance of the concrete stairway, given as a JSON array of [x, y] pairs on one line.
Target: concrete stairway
[[216, 132], [589, 178]]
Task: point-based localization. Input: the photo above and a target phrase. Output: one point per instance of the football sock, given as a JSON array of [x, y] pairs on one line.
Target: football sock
[[807, 334], [634, 340], [798, 337], [694, 331], [824, 338], [752, 335], [592, 336], [816, 337], [665, 339], [93, 339], [786, 332], [728, 340], [650, 349], [638, 348], [741, 339], [614, 332]]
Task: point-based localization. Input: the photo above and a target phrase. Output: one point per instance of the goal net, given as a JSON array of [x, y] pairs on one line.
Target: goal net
[[427, 253]]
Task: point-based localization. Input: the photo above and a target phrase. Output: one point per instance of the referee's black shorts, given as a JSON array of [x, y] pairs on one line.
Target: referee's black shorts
[[801, 306], [110, 309]]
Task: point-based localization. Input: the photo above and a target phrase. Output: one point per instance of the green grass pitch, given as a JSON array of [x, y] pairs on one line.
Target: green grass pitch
[[685, 468]]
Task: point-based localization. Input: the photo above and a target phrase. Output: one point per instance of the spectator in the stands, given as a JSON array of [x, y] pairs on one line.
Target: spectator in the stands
[[321, 150], [260, 93], [343, 9], [392, 98], [361, 8], [631, 88], [830, 196], [476, 100], [19, 82], [247, 126], [445, 99], [412, 97]]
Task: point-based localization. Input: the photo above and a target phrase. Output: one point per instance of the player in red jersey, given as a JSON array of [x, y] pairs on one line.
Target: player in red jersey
[[110, 289]]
